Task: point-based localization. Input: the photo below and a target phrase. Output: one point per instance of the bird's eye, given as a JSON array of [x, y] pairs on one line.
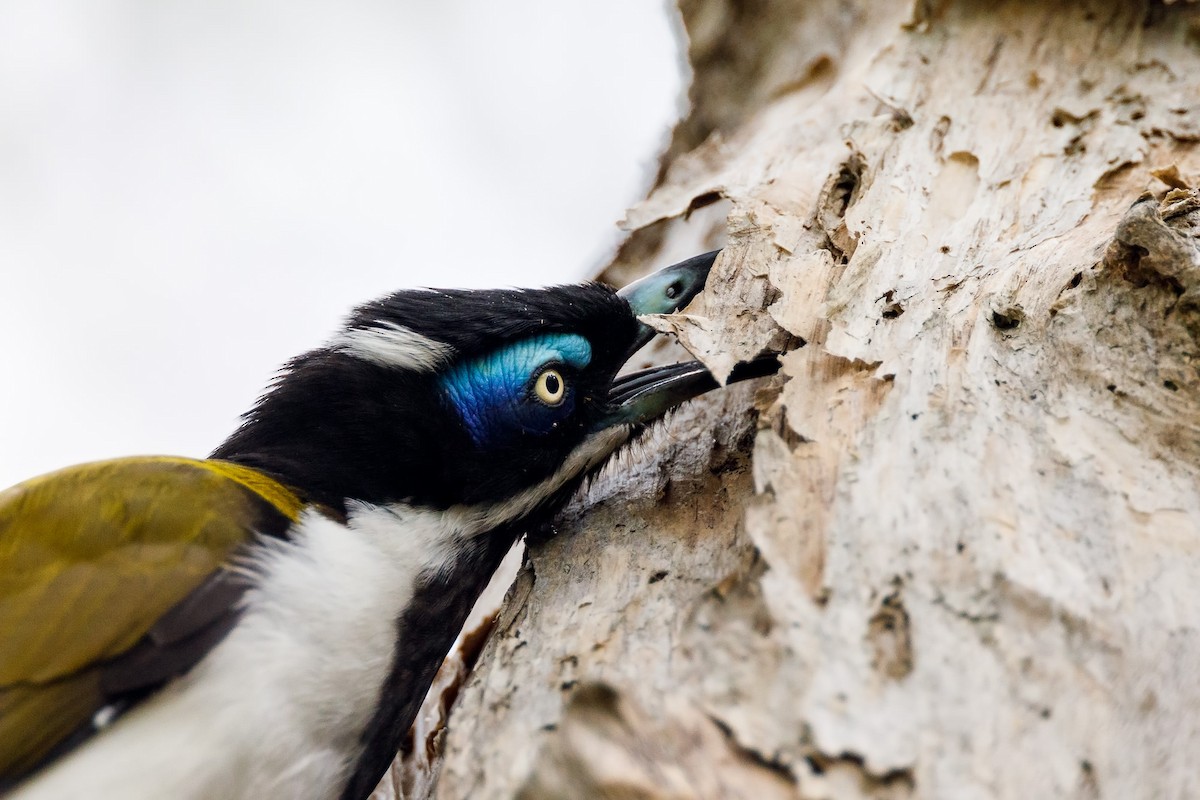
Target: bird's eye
[[550, 387]]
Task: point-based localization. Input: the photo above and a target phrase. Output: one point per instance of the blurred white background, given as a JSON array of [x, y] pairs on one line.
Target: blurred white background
[[191, 193]]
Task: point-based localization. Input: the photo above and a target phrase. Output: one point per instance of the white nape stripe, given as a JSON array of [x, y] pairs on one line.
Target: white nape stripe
[[277, 709], [393, 345]]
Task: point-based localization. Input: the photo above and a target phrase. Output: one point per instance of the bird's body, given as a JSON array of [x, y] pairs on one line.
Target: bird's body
[[328, 597], [266, 622]]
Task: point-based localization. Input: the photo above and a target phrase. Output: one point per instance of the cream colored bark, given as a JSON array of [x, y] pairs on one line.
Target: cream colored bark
[[957, 555]]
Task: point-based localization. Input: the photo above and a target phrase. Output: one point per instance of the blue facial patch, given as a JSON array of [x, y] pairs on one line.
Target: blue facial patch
[[493, 394]]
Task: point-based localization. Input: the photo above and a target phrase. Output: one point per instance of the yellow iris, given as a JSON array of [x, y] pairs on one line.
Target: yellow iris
[[550, 387]]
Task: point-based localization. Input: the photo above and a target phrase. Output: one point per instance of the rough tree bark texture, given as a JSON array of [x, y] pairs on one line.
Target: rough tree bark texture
[[957, 555]]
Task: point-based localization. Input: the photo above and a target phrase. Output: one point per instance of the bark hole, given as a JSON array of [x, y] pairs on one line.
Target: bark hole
[[1008, 319], [890, 638], [840, 191], [700, 201]]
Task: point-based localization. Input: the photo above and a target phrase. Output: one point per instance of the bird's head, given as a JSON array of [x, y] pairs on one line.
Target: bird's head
[[487, 399]]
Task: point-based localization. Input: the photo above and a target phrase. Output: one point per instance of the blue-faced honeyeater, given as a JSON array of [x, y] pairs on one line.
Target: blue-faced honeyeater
[[265, 623]]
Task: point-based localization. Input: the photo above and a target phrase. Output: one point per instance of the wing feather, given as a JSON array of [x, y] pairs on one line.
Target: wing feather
[[92, 559]]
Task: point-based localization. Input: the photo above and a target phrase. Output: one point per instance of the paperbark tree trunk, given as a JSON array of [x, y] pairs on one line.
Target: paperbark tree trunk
[[957, 555]]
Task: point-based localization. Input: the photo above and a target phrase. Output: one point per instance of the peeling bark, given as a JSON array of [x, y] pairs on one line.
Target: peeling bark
[[956, 553]]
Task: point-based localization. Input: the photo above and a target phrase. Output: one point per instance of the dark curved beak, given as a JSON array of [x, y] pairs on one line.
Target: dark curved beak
[[641, 397], [666, 291]]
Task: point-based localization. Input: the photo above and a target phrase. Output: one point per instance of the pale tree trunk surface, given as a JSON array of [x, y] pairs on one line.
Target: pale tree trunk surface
[[957, 555]]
